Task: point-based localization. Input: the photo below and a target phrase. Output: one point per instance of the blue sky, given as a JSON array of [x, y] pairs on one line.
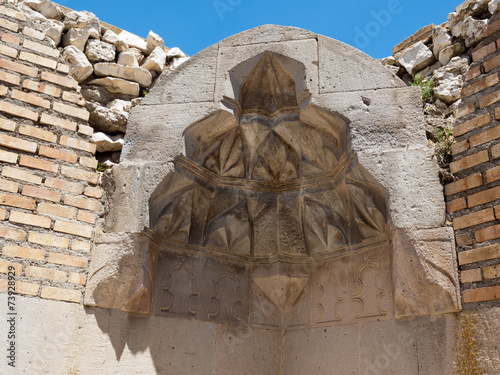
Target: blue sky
[[373, 26]]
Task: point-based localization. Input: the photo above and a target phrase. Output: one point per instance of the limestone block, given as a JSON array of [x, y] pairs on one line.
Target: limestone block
[[235, 63], [100, 95], [198, 73], [121, 273], [156, 135], [336, 58], [449, 80], [175, 52], [425, 273], [120, 105], [153, 41], [441, 39], [129, 188], [83, 20], [267, 34], [134, 41], [427, 72], [472, 31], [155, 61], [176, 62], [381, 119], [410, 178], [389, 60], [416, 58], [112, 38], [100, 51], [80, 67], [138, 54], [117, 85], [107, 143], [139, 75], [45, 7], [52, 28], [449, 52], [127, 59], [493, 6], [76, 37], [107, 120]]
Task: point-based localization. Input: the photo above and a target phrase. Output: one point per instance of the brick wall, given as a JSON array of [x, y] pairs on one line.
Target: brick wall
[[473, 201], [49, 193]]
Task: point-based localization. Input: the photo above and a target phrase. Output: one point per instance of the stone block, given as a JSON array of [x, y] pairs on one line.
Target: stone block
[[121, 273], [424, 272], [267, 34]]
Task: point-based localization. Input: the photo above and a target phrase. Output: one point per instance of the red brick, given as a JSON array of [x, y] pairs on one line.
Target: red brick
[[37, 59], [69, 110], [491, 28], [35, 132], [48, 240], [16, 201], [8, 51], [30, 219], [12, 234], [480, 85], [86, 217], [495, 151], [490, 99], [16, 110], [469, 161], [493, 175], [46, 273], [465, 110], [3, 214], [7, 125], [38, 192], [64, 185], [57, 154], [46, 119], [33, 33], [41, 87], [60, 294], [485, 136], [67, 260], [60, 80], [491, 272], [23, 252], [80, 246], [456, 205], [488, 233], [12, 26], [4, 90], [491, 63], [42, 48], [55, 210], [78, 144], [9, 186], [9, 78], [471, 276], [19, 174], [77, 278], [471, 124], [9, 38], [22, 287], [31, 162], [93, 192], [17, 144], [30, 98], [479, 255], [8, 157], [78, 174], [19, 68], [9, 12], [63, 68], [4, 267], [459, 147], [497, 212], [483, 197], [84, 203], [73, 228], [482, 294], [75, 98], [475, 218], [89, 162], [484, 51], [85, 130]]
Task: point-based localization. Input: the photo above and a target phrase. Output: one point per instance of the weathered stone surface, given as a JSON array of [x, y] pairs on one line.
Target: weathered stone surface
[[175, 52], [153, 41], [120, 105], [107, 120], [112, 38], [416, 58], [80, 67], [117, 85], [176, 62], [45, 7], [134, 41], [425, 274], [441, 39], [427, 72], [83, 20], [100, 95], [127, 59], [139, 75], [76, 37], [107, 143], [121, 273], [472, 31], [493, 6], [389, 60], [52, 28], [267, 34], [138, 54], [155, 61], [410, 178], [449, 81], [449, 52], [100, 51]]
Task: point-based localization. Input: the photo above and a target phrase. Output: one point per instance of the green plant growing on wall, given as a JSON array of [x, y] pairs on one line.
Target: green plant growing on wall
[[101, 167], [426, 87], [442, 148]]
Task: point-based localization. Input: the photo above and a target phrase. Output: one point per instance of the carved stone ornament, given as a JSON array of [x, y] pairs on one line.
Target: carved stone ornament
[[274, 180]]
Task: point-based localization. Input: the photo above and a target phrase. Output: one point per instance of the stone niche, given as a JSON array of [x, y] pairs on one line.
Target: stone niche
[[279, 183]]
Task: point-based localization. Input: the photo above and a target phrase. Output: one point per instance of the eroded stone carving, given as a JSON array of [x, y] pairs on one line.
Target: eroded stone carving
[[276, 179]]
